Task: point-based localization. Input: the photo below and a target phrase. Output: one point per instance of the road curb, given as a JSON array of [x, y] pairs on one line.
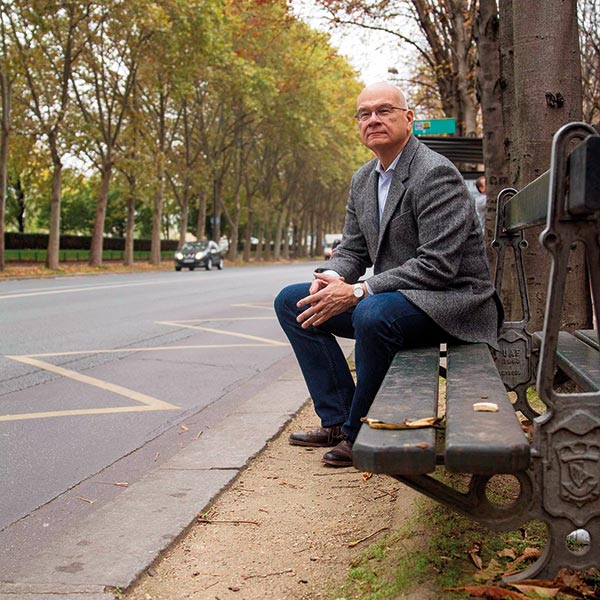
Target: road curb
[[109, 550]]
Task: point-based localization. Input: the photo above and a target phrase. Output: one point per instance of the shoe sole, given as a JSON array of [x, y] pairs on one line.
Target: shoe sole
[[312, 444], [338, 463]]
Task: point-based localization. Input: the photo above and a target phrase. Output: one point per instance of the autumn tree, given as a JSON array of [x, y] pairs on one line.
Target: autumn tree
[[589, 35], [7, 75], [102, 83], [47, 40], [442, 41]]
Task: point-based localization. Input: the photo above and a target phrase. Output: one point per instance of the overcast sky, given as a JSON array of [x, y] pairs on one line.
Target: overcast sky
[[370, 53]]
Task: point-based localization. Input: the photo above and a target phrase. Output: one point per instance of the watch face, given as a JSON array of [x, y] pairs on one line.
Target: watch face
[[358, 291]]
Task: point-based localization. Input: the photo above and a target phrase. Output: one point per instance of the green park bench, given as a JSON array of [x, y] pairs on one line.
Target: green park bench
[[558, 472]]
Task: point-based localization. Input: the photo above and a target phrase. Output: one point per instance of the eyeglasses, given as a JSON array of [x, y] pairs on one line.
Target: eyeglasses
[[382, 112]]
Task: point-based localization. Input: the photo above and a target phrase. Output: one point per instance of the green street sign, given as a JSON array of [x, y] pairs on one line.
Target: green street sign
[[435, 127]]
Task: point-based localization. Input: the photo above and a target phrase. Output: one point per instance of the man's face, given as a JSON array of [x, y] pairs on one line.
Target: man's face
[[384, 122]]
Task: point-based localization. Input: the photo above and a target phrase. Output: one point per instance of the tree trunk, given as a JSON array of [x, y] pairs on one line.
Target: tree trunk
[[279, 225], [249, 230], [157, 215], [201, 223], [5, 85], [259, 244], [97, 243], [490, 93], [548, 95], [52, 255], [128, 259]]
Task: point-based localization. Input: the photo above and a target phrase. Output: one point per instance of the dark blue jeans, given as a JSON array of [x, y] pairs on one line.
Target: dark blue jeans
[[380, 324]]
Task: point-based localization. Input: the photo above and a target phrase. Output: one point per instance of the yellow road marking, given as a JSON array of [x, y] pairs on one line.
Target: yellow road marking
[[148, 403], [150, 349], [220, 332], [261, 306], [81, 411]]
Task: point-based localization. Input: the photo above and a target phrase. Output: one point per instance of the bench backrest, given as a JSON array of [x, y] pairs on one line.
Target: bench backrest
[[566, 199]]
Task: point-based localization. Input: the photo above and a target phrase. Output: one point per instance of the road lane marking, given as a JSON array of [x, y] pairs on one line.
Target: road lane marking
[[149, 402], [150, 349], [249, 305], [90, 288], [79, 412], [266, 341]]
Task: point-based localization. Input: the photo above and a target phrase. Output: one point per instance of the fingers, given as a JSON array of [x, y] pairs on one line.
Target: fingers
[[311, 317]]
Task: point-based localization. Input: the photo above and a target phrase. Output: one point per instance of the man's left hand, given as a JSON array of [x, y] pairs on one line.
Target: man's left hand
[[333, 297]]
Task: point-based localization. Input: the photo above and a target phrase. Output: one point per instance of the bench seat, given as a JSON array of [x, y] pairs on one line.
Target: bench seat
[[589, 336], [578, 357], [483, 443]]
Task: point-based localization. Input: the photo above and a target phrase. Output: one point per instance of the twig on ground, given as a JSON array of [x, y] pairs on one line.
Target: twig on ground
[[356, 542], [234, 521], [394, 495], [268, 574]]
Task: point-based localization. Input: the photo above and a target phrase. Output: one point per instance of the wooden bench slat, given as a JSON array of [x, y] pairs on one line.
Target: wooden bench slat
[[589, 336], [578, 359], [483, 443], [528, 207], [409, 390]]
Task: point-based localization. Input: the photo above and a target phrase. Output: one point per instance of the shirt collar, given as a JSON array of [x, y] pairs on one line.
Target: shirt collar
[[379, 168]]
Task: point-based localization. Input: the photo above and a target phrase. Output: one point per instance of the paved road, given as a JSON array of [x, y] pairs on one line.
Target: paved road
[[106, 379]]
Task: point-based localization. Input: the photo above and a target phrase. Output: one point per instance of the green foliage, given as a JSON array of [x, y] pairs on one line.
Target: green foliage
[[238, 103]]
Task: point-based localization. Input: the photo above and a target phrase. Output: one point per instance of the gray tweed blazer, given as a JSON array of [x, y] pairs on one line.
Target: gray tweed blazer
[[429, 244]]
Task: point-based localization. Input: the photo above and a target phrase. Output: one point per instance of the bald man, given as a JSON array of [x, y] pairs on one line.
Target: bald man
[[409, 216]]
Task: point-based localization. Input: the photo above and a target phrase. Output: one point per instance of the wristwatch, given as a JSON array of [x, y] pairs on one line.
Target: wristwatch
[[359, 291]]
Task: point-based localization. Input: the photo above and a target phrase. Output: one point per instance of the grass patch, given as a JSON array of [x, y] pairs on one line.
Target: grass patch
[[386, 569], [440, 549]]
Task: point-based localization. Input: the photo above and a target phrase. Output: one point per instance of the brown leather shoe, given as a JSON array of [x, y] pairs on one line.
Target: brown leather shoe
[[340, 456], [317, 438]]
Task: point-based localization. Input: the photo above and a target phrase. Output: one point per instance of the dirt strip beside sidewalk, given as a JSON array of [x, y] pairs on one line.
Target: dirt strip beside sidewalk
[[287, 528]]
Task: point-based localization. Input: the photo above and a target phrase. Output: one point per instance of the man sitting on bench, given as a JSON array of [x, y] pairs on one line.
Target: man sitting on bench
[[410, 216]]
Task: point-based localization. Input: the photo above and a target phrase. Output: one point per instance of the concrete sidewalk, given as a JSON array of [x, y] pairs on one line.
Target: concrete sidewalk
[[108, 550]]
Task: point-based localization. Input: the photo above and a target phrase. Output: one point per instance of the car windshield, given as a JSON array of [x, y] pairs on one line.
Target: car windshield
[[193, 247]]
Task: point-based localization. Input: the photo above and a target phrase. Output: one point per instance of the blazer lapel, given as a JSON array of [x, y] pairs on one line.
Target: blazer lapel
[[371, 222], [397, 188]]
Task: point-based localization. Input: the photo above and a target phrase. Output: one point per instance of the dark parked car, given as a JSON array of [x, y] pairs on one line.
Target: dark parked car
[[198, 254]]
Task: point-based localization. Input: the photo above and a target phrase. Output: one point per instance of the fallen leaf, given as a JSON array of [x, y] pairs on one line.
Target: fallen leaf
[[528, 553], [507, 553], [542, 592], [85, 500], [366, 476], [491, 573], [490, 592], [406, 423], [474, 554]]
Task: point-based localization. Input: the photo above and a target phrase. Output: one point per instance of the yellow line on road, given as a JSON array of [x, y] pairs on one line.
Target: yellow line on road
[[215, 320], [81, 411], [261, 306], [221, 332], [149, 402], [150, 349]]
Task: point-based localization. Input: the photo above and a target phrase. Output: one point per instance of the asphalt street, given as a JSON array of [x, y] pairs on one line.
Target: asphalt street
[[127, 402]]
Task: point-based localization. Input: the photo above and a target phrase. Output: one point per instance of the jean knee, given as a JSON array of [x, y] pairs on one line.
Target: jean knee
[[368, 318], [286, 300]]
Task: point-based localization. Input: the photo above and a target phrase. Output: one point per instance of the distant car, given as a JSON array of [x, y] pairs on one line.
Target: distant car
[[329, 250], [199, 254]]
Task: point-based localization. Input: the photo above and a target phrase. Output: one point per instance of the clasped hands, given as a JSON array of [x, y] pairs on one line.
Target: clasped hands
[[328, 296]]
